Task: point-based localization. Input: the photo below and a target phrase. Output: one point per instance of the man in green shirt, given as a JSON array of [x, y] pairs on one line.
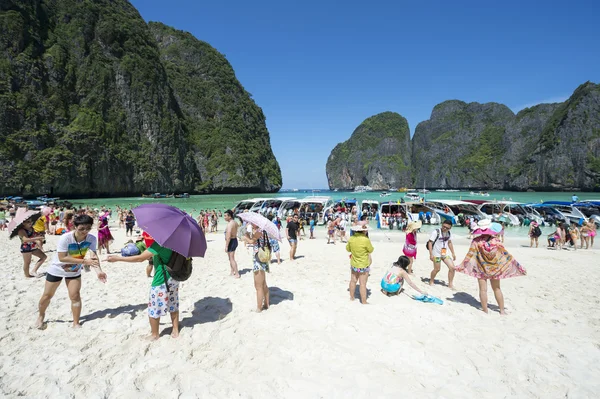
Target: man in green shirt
[[162, 299]]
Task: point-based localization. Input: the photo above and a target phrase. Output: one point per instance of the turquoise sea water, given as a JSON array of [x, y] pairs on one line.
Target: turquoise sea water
[[226, 201], [196, 203]]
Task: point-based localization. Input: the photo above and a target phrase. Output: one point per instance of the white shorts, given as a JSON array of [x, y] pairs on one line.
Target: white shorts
[[162, 302]]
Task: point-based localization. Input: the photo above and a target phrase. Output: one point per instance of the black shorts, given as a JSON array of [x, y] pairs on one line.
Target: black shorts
[[128, 228], [55, 279], [233, 244]]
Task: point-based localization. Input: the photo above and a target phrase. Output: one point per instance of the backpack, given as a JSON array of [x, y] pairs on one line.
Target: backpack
[[179, 267], [130, 250], [438, 231], [536, 231], [264, 249]]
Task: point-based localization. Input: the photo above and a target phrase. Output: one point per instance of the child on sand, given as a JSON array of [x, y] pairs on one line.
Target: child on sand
[[410, 245], [30, 245], [391, 283]]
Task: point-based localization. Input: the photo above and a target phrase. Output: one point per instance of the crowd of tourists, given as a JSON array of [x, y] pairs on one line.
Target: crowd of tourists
[[486, 260]]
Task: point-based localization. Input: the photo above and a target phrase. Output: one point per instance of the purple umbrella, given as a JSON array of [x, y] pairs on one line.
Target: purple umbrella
[[172, 228]]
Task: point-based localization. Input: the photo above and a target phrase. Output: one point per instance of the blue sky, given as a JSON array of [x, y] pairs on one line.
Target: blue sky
[[319, 68]]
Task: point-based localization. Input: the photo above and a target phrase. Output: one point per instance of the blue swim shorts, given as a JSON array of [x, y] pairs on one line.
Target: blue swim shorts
[[391, 288]]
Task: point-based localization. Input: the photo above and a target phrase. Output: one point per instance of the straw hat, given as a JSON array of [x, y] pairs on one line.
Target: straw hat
[[360, 228], [414, 225]]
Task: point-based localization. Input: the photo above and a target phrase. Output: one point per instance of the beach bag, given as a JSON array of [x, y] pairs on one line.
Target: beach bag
[[537, 231], [264, 249], [179, 267], [130, 250]]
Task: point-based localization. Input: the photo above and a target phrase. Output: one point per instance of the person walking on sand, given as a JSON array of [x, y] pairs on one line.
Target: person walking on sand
[[164, 290], [104, 235], [360, 248], [275, 248], [487, 259], [259, 239], [534, 233], [70, 258], [291, 232], [438, 245], [410, 245], [231, 242], [592, 231]]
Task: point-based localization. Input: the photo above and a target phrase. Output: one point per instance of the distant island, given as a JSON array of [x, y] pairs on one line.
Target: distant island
[[548, 147], [96, 102]]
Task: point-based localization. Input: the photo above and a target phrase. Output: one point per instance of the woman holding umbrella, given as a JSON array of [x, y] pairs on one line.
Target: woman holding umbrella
[[22, 226], [262, 229], [172, 231]]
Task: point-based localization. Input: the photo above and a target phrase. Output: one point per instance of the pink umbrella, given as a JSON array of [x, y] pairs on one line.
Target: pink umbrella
[[21, 216], [262, 223]]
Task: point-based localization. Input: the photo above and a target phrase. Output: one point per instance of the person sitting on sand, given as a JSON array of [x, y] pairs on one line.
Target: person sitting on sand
[[70, 258], [164, 291], [487, 259], [391, 283], [30, 245], [360, 247]]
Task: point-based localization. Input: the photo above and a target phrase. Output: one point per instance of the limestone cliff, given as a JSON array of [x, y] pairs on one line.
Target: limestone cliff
[[89, 106], [377, 154], [487, 146]]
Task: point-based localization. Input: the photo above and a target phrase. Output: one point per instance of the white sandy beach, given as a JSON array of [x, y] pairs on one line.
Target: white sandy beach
[[313, 342]]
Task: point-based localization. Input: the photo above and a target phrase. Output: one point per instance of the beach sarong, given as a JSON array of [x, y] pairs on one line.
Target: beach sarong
[[490, 260]]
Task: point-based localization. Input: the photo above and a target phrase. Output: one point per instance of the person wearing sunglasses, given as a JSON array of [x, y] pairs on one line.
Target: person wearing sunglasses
[[70, 258]]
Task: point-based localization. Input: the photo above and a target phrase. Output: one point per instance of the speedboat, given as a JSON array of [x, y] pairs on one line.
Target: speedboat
[[496, 211], [362, 189], [456, 211], [480, 193], [572, 213], [318, 205], [549, 213], [412, 196], [269, 206], [369, 207], [385, 194], [245, 205]]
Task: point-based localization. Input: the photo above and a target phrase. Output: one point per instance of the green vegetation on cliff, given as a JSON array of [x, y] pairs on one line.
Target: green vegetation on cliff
[[379, 146], [88, 108], [225, 125]]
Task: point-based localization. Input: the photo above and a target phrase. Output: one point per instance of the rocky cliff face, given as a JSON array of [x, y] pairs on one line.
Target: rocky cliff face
[[89, 107], [377, 154], [546, 147], [227, 129]]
